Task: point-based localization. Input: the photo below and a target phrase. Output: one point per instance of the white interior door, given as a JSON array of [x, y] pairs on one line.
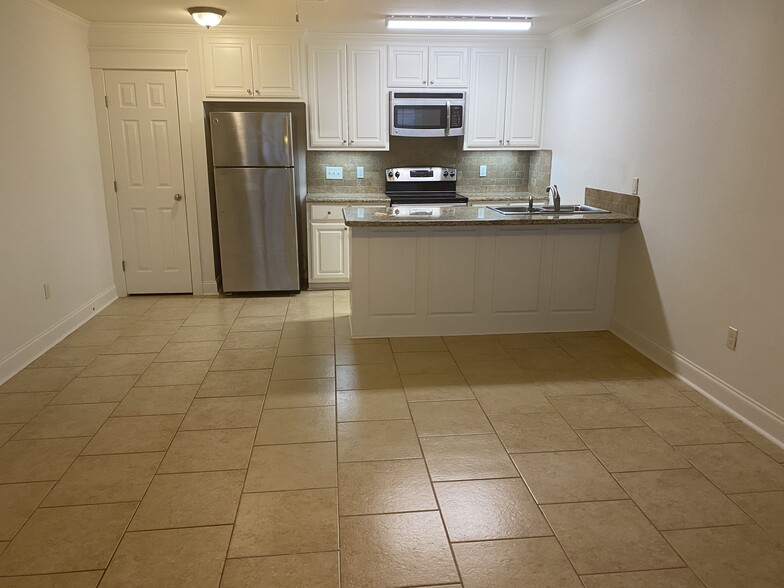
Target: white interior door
[[145, 131]]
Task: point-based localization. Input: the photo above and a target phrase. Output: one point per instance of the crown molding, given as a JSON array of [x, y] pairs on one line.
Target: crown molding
[[597, 16], [57, 11], [451, 38], [191, 29]]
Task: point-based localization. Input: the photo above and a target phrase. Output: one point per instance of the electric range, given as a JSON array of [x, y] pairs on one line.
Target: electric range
[[423, 187]]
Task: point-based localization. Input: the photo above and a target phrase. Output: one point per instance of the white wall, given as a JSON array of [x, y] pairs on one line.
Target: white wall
[[52, 215], [688, 97]]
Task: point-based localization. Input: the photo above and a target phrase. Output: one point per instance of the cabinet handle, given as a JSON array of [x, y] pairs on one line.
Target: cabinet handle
[[249, 92], [258, 93]]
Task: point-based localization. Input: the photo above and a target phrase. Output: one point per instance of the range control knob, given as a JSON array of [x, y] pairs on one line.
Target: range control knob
[[397, 174], [397, 211], [446, 173], [389, 174], [452, 173]]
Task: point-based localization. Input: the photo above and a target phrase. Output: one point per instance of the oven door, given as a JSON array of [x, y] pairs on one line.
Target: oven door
[[414, 116]]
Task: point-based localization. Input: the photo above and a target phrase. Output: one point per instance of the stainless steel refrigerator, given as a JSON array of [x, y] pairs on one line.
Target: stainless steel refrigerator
[[253, 165]]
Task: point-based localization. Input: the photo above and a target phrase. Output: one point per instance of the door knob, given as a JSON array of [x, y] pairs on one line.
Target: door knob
[[178, 197]]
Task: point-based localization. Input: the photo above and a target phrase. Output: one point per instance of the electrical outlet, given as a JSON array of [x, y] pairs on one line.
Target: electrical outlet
[[482, 171], [47, 291], [635, 186], [732, 337], [334, 173], [360, 172]]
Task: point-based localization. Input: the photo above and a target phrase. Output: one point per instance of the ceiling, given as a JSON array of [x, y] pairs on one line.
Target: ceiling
[[332, 15]]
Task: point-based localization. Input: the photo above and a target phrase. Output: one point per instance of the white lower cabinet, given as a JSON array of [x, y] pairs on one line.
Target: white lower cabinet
[[329, 253]]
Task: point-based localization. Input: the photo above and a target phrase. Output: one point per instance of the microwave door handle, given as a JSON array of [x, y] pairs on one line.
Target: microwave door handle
[[448, 117]]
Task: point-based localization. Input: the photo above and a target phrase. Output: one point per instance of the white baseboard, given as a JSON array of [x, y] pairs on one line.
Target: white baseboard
[[754, 414], [41, 343], [210, 288]]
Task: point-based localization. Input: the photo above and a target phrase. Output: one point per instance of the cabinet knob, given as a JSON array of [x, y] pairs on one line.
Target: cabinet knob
[[352, 141], [500, 141], [258, 93], [249, 92], [424, 81], [178, 197], [431, 82], [507, 141], [329, 212], [344, 141], [345, 229]]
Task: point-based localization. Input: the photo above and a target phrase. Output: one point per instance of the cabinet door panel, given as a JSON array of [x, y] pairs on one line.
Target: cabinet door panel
[[329, 245], [227, 67], [327, 93], [407, 67], [524, 97], [367, 97], [448, 67], [487, 98], [576, 269], [276, 67]]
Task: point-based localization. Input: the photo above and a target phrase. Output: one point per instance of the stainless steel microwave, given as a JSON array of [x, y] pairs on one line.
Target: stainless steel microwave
[[426, 114]]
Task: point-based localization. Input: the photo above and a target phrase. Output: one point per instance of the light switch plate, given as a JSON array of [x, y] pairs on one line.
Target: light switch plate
[[360, 172], [482, 171], [334, 173]]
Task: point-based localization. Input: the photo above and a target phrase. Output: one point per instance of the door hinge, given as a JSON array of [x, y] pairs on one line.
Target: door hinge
[[123, 265], [106, 101], [115, 186]]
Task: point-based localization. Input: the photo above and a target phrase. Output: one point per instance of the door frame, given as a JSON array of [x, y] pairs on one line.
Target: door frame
[[176, 61]]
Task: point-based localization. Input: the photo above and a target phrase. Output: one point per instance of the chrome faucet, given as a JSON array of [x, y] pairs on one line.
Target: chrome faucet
[[530, 203], [553, 190]]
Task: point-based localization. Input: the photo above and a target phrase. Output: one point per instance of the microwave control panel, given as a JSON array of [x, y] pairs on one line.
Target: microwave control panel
[[456, 120]]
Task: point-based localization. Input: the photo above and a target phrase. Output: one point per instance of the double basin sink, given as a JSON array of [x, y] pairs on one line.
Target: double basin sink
[[564, 209]]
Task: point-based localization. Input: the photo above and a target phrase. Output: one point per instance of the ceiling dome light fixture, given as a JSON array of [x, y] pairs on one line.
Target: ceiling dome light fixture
[[206, 16], [460, 23]]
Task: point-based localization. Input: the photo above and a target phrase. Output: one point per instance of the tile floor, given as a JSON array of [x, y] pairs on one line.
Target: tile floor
[[180, 441]]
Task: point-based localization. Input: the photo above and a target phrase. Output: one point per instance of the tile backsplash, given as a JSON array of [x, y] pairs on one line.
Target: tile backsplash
[[507, 171]]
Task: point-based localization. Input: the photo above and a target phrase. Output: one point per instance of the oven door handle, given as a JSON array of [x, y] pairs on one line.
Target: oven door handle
[[448, 117]]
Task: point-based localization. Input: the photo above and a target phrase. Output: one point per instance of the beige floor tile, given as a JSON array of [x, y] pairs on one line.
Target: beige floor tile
[[72, 580], [100, 479], [292, 467], [40, 380], [256, 324], [67, 357], [767, 508], [324, 328], [252, 340], [304, 367], [679, 578], [174, 373], [110, 322], [295, 346], [595, 411], [449, 417], [235, 383], [544, 359], [727, 557], [189, 500], [256, 310], [612, 536], [8, 431], [172, 557], [571, 388], [177, 301], [21, 407], [476, 349], [364, 354], [99, 389], [375, 487], [130, 364], [205, 333], [17, 503], [85, 536], [632, 450], [496, 371], [425, 362], [311, 570], [296, 425], [759, 440], [478, 510], [617, 368], [705, 403], [512, 399], [377, 440], [526, 340], [641, 393], [367, 377], [567, 476], [736, 467], [189, 351], [90, 337], [204, 451], [223, 413], [680, 499], [417, 344], [282, 523], [299, 393], [687, 426], [129, 306], [67, 420], [591, 346], [151, 400], [217, 317], [3, 545], [243, 359], [137, 344], [372, 405], [408, 549], [38, 460], [536, 562], [144, 328], [134, 435], [467, 457], [427, 387], [166, 314], [535, 433], [220, 304]]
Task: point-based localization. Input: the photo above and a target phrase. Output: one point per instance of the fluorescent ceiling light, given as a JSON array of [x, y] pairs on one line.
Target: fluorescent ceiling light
[[459, 23], [206, 16]]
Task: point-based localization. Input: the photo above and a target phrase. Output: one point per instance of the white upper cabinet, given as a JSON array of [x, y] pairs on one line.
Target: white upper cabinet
[[347, 97], [421, 67], [505, 98], [266, 66]]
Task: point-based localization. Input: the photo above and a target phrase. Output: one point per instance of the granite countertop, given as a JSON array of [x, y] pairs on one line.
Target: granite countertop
[[500, 196], [343, 197], [475, 216]]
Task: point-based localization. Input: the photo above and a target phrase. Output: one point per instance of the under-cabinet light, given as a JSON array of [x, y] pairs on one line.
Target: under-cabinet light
[[459, 23], [206, 16]]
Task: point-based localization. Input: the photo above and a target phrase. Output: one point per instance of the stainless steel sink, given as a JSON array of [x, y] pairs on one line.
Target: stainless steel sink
[[565, 209]]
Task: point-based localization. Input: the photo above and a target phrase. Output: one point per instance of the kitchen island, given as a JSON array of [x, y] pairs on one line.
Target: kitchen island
[[471, 270]]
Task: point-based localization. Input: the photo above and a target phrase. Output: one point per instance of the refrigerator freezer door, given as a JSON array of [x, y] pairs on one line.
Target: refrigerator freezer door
[[257, 225], [251, 139]]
